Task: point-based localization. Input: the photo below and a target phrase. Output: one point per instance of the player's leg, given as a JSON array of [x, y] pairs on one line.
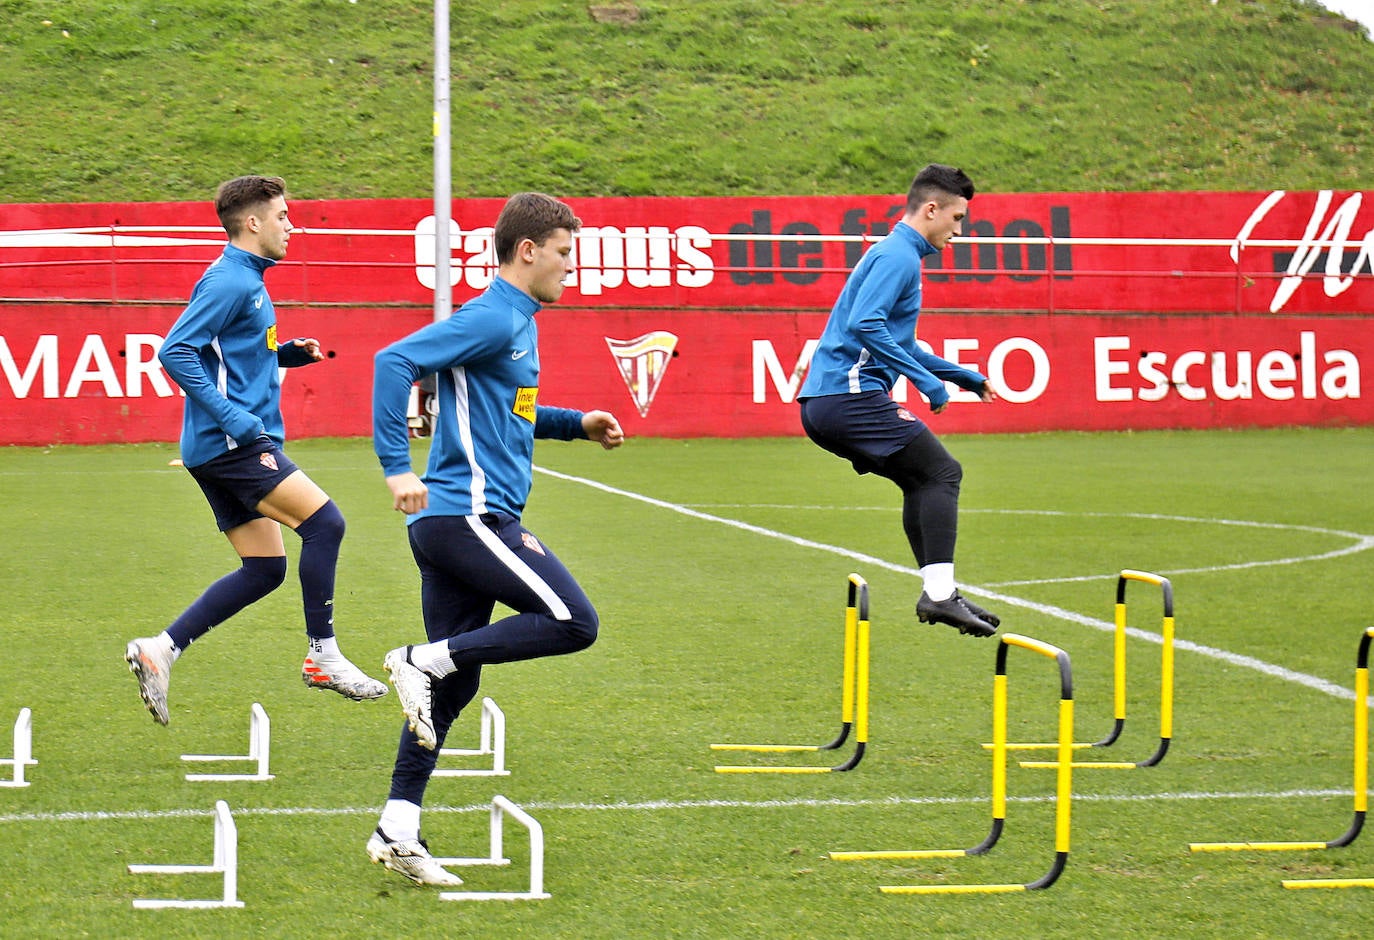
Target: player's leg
[[451, 604], [396, 841], [930, 478], [880, 436], [262, 568], [450, 607], [553, 615], [298, 502]]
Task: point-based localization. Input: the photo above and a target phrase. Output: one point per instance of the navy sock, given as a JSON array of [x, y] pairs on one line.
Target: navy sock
[[321, 535], [254, 580]]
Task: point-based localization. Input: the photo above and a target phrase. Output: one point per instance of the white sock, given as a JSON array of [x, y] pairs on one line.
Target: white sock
[[433, 658], [165, 639], [324, 646], [939, 580], [400, 821]]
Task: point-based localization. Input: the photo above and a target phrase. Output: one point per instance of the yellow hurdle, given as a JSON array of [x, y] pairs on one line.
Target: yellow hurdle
[[1166, 684], [853, 697], [1361, 791], [1063, 793]]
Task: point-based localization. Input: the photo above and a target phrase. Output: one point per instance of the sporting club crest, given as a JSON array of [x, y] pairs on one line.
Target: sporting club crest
[[642, 361]]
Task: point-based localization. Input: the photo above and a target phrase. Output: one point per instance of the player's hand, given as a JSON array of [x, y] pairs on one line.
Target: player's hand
[[987, 393], [311, 347], [602, 427], [936, 409], [408, 492]]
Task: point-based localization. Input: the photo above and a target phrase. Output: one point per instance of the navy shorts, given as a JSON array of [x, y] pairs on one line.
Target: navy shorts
[[236, 481], [864, 428]]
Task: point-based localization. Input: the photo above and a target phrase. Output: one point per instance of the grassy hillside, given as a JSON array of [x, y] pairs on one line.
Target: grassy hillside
[[147, 99]]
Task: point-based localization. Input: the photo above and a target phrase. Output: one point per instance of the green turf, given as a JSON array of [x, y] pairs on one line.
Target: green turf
[[714, 633]]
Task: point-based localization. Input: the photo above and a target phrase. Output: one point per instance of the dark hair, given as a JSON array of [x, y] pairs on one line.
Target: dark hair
[[236, 197], [530, 215], [938, 182]]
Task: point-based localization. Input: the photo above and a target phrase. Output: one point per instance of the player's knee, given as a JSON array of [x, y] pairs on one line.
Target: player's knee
[[264, 575], [582, 629], [326, 525], [948, 471]]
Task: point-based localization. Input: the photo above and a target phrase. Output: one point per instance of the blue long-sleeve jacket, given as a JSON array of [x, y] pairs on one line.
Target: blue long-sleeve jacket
[[486, 361], [224, 354], [870, 338]]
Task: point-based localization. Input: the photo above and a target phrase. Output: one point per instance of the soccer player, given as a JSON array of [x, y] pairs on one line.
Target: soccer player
[[464, 517], [223, 352], [846, 401]]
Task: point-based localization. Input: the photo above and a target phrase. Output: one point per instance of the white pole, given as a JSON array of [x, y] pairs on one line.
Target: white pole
[[443, 197]]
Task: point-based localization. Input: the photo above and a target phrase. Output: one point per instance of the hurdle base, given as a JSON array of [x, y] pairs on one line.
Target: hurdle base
[[897, 855], [1295, 883], [951, 889], [1080, 765], [156, 904], [1255, 846], [493, 896]]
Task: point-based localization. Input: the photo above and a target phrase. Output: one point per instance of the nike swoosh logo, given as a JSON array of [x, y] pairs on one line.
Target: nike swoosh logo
[[257, 304], [519, 354]]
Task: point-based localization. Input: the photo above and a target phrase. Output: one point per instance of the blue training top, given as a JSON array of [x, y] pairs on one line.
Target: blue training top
[[870, 338], [223, 352], [486, 358]]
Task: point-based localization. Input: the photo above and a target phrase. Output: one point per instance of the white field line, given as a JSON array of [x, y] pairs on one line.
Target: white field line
[[1234, 659], [654, 806], [1360, 543]]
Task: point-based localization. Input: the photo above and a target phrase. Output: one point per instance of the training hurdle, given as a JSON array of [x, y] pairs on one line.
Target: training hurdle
[[1361, 790], [259, 746], [23, 749], [853, 697], [491, 741], [226, 862], [1166, 683], [1063, 790], [500, 809]]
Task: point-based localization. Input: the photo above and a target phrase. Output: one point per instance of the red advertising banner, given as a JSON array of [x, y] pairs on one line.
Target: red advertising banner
[[70, 374], [1142, 252], [696, 317]]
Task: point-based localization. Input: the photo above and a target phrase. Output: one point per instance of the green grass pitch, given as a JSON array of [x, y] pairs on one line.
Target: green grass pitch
[[719, 571]]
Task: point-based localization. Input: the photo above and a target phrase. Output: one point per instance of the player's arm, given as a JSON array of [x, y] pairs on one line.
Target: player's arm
[[460, 339], [566, 424], [965, 378], [602, 427], [301, 351], [194, 331], [870, 320]]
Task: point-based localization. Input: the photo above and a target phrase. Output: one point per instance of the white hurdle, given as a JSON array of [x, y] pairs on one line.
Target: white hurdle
[[23, 749], [492, 741], [259, 744], [500, 808], [226, 861]]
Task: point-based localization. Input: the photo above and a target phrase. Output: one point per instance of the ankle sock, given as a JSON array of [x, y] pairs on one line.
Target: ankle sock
[[400, 821], [433, 658], [938, 580]]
